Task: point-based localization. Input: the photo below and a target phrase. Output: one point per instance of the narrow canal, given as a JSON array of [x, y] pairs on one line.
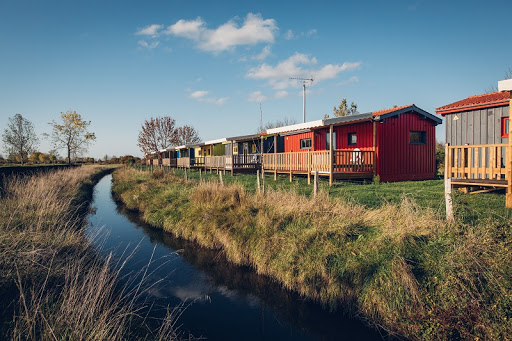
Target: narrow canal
[[221, 301]]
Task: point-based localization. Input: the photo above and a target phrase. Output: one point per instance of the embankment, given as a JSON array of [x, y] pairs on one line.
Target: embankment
[[53, 283], [400, 266]]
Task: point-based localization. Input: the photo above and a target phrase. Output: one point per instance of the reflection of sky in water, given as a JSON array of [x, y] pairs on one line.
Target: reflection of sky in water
[[222, 301]]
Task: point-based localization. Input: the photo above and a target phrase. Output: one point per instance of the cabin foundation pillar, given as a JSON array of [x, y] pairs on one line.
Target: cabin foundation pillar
[[275, 157], [508, 202], [331, 155]]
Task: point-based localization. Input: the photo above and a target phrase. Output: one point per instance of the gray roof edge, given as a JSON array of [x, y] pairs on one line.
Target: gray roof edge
[[349, 118]]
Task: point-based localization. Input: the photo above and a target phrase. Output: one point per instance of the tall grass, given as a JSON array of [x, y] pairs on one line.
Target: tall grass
[[60, 287], [398, 264]]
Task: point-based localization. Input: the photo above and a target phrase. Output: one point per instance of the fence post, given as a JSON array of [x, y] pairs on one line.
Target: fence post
[[263, 182], [315, 184], [220, 179], [258, 180], [331, 155], [508, 158], [309, 167], [186, 178], [200, 176], [448, 200]]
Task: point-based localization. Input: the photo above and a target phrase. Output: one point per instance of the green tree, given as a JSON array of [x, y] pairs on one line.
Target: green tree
[[344, 110], [71, 133], [34, 157], [19, 138]]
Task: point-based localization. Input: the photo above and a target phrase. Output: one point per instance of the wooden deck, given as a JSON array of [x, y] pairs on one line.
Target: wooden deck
[[480, 167], [338, 164]]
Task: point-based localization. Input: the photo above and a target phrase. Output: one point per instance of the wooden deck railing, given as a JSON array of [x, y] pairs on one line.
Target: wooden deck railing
[[215, 161], [343, 161], [199, 161], [183, 162], [166, 162], [354, 161], [477, 162]]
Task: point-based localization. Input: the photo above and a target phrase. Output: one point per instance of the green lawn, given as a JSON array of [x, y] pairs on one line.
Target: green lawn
[[469, 208]]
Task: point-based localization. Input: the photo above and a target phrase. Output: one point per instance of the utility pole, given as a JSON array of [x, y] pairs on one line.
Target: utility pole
[[304, 82]]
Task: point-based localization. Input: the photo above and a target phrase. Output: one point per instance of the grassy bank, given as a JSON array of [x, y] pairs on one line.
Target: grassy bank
[[54, 284], [398, 263]]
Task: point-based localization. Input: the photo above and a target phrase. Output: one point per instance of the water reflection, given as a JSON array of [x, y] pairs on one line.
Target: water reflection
[[223, 301]]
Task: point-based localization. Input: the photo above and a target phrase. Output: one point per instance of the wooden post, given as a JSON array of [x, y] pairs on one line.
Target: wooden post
[[448, 200], [186, 178], [275, 157], [232, 159], [508, 157], [290, 165], [263, 182], [331, 155], [220, 179], [374, 148], [309, 164], [258, 180], [200, 176], [315, 184]]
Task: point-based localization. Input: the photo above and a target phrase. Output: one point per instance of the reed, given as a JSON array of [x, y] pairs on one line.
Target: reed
[[55, 284]]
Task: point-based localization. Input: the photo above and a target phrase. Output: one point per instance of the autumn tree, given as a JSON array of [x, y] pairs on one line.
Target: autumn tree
[[19, 138], [187, 135], [344, 110], [71, 133]]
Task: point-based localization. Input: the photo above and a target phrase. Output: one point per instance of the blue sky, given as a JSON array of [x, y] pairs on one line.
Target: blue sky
[[210, 63]]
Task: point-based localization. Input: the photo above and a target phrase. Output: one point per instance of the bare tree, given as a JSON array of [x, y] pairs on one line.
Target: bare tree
[[157, 133], [187, 135], [19, 138], [72, 134], [278, 123], [494, 87]]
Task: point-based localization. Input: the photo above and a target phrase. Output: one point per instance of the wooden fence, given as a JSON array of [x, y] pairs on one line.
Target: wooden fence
[[342, 161], [476, 162]]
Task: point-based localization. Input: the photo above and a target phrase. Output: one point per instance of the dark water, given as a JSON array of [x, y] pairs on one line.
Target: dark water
[[222, 301]]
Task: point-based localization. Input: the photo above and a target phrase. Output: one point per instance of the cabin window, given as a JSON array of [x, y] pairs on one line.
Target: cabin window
[[328, 140], [235, 149], [504, 127], [305, 144], [352, 139], [417, 137], [208, 152], [253, 149]]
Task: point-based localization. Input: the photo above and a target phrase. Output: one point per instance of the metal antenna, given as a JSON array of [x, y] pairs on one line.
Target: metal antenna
[[304, 82]]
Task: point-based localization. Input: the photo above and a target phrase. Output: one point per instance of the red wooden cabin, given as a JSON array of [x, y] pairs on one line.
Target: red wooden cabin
[[396, 144]]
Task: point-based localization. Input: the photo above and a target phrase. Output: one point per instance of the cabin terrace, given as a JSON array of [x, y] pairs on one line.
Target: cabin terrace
[[478, 148], [396, 144]]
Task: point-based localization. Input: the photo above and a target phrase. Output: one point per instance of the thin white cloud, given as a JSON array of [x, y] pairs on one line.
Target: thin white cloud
[[200, 96], [353, 79], [190, 29], [278, 77], [147, 45], [289, 35], [254, 30], [311, 32], [256, 96], [151, 30], [281, 94], [263, 54]]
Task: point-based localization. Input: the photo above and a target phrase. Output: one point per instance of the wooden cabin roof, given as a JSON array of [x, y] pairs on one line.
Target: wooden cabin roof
[[493, 99]]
